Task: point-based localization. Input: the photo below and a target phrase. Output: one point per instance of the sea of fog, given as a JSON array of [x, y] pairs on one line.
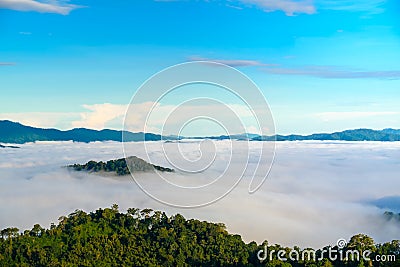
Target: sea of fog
[[316, 193]]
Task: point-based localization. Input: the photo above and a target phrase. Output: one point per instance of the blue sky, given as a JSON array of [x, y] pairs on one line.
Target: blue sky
[[322, 65]]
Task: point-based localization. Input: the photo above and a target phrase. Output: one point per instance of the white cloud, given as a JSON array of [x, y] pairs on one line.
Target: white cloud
[[98, 115], [135, 119], [51, 6], [290, 7]]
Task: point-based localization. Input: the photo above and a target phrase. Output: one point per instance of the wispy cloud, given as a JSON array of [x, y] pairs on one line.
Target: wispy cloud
[[295, 7], [234, 7], [230, 62], [290, 7], [372, 6], [351, 115], [332, 72], [7, 63], [52, 6], [319, 71]]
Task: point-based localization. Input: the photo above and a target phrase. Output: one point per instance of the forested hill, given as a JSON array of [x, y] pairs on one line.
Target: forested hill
[[385, 135], [16, 133], [119, 166], [107, 237]]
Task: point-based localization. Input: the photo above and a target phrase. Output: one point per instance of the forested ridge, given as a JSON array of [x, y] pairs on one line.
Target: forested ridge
[[107, 237], [16, 133]]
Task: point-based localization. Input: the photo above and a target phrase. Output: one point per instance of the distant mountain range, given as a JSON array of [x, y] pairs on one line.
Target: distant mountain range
[[348, 135], [16, 133], [13, 132]]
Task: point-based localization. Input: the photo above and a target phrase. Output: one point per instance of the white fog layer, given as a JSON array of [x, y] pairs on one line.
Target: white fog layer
[[316, 193]]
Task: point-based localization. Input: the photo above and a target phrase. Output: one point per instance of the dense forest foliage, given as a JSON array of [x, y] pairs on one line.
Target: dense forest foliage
[[145, 237], [119, 166]]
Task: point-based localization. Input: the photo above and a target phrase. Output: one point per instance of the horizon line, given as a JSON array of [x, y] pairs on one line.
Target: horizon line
[[199, 136]]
